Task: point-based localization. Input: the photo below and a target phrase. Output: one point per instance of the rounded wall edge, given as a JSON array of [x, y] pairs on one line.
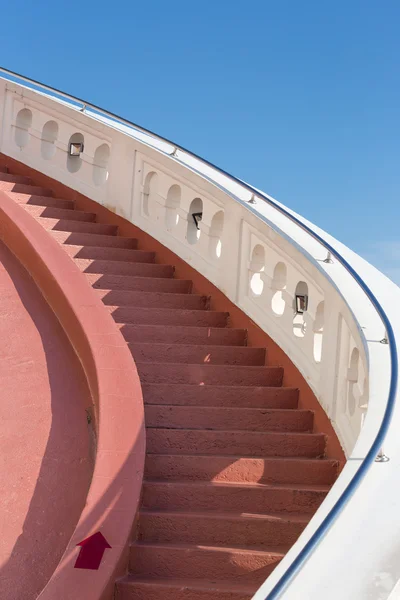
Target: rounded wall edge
[[114, 492]]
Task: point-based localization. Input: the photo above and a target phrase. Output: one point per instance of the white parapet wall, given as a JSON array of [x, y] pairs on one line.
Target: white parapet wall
[[261, 259]]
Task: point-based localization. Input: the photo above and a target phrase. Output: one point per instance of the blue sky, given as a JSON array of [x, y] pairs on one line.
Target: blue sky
[[301, 99]]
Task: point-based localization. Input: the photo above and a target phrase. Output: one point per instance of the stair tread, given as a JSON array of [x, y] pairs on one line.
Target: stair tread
[[283, 459], [197, 584], [228, 516], [276, 551], [234, 485]]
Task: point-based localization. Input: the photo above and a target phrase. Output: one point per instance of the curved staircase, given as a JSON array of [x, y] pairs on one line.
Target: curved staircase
[[234, 470]]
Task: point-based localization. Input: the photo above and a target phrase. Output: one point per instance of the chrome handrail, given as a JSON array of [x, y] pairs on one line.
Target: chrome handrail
[[377, 444]]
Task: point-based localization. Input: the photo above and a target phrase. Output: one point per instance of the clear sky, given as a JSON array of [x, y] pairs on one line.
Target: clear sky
[[301, 99]]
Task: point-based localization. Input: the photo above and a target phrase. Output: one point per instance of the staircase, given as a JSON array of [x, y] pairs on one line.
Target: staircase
[[234, 471]]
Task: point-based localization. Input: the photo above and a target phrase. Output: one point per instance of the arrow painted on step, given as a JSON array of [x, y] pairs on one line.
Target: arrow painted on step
[[92, 550]]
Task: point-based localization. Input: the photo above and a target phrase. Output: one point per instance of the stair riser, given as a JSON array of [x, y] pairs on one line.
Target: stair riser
[[21, 188], [105, 267], [236, 443], [139, 284], [157, 334], [122, 254], [201, 530], [190, 354], [52, 212], [152, 591], [8, 177], [240, 470], [194, 563], [153, 300], [210, 374], [189, 417], [72, 226], [42, 201], [166, 316], [186, 497], [240, 396], [93, 239]]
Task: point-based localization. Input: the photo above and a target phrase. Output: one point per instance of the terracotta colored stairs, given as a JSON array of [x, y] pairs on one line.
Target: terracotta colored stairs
[[233, 471]]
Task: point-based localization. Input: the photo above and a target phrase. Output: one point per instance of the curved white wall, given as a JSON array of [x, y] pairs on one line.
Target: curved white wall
[[260, 260]]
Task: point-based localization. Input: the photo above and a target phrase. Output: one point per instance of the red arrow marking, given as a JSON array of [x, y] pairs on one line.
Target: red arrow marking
[[92, 551]]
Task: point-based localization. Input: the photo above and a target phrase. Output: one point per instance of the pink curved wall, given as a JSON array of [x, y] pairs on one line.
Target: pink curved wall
[[45, 467]]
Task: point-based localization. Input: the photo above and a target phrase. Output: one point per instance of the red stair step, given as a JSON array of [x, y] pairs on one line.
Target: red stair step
[[9, 177], [142, 284], [131, 299], [235, 442], [168, 334], [98, 252], [93, 239], [133, 588], [194, 561], [54, 212], [116, 267], [209, 417], [42, 201], [191, 354], [76, 227], [22, 188], [237, 469], [242, 530], [168, 316], [220, 395], [208, 374], [233, 497]]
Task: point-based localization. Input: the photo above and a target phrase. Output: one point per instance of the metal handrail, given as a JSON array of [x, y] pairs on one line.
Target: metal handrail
[[376, 446]]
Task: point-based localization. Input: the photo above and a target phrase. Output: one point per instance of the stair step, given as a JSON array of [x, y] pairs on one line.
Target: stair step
[[169, 334], [116, 267], [54, 212], [234, 497], [98, 252], [22, 188], [187, 353], [9, 177], [129, 299], [93, 239], [235, 442], [237, 469], [167, 316], [195, 561], [138, 284], [243, 530], [134, 588], [77, 227], [209, 374], [225, 419], [42, 201], [220, 395]]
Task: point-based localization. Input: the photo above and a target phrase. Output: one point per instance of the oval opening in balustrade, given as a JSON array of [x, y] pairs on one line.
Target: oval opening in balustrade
[[257, 267], [352, 378], [194, 217], [318, 328], [172, 206], [74, 163], [217, 225], [278, 303], [23, 123], [49, 138], [100, 164], [299, 323], [149, 188]]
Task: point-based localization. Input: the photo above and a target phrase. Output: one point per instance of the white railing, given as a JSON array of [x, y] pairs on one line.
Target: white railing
[[260, 255]]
